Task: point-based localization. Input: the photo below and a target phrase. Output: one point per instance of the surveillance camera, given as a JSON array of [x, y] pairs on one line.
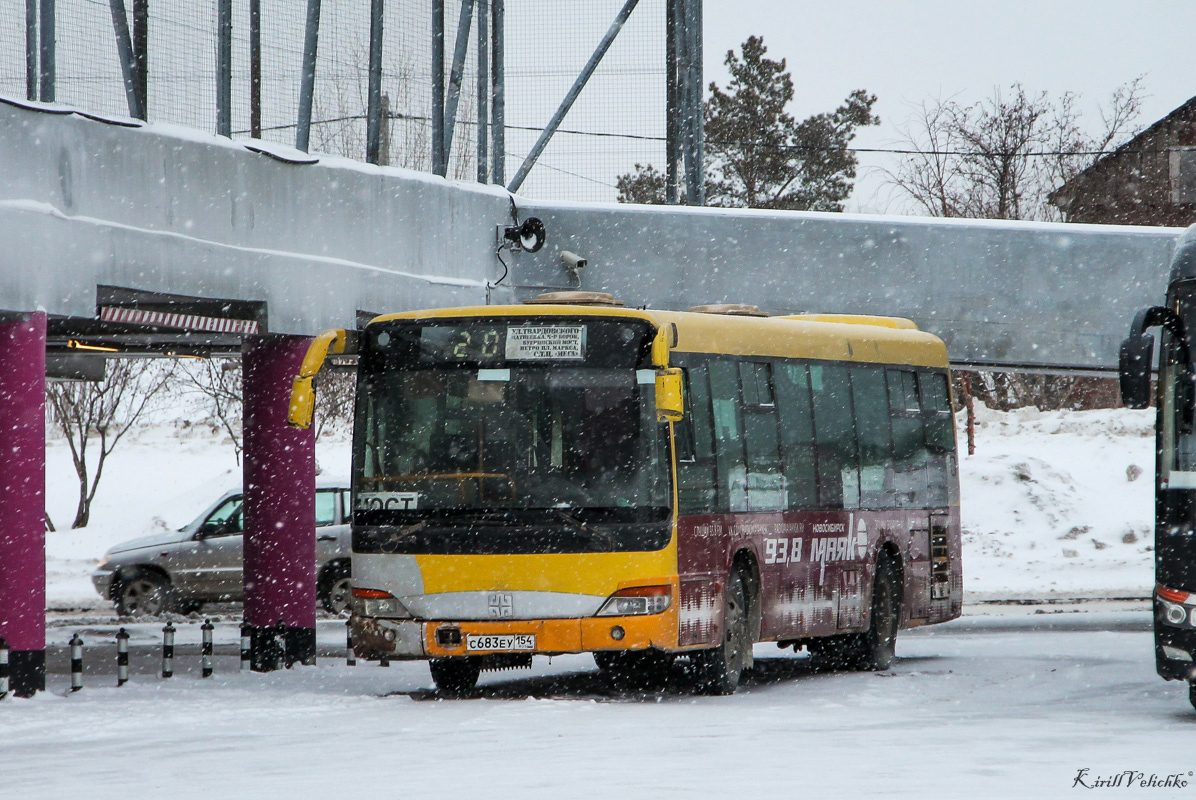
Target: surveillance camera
[[573, 262]]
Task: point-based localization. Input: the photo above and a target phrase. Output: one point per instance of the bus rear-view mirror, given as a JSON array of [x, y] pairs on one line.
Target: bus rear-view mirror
[[303, 403], [670, 402], [1137, 353]]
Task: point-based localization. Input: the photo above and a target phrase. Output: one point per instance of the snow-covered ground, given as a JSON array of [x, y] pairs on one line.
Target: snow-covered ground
[[1006, 702], [973, 710], [1049, 509]]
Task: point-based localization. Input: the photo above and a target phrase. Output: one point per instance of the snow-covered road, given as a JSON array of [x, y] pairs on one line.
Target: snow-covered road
[[987, 707]]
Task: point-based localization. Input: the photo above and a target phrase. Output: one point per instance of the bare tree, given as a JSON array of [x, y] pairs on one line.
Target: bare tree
[[335, 393], [1001, 157], [103, 413], [218, 383]]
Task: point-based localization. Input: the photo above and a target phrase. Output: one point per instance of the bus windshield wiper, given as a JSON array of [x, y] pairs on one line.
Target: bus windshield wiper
[[600, 537]]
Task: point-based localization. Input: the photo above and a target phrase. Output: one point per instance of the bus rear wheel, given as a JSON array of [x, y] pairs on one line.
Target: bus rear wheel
[[875, 648], [719, 669], [455, 676]]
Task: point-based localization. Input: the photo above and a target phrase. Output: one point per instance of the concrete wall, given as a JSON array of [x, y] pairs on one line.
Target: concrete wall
[[159, 208]]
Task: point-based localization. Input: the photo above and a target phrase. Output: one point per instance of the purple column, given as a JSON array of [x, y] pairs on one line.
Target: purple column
[[23, 489], [280, 506]]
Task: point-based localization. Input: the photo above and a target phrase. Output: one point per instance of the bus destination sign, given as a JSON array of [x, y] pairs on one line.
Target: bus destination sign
[[545, 342]]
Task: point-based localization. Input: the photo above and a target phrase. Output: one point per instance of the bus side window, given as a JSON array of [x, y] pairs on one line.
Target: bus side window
[[765, 483], [940, 434], [909, 444], [797, 433], [871, 404], [697, 492], [834, 437], [728, 436]]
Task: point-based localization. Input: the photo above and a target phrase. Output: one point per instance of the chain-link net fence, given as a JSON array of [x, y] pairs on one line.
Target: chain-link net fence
[[617, 122]]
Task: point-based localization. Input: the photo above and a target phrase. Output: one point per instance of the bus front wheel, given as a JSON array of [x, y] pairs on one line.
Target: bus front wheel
[[455, 676], [719, 669]]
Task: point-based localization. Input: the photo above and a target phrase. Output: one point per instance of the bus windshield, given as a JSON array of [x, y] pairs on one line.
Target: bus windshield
[[449, 427]]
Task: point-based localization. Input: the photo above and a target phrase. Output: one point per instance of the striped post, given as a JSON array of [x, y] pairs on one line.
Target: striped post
[[3, 668], [206, 650], [280, 645], [168, 650], [122, 657], [350, 655], [76, 663], [246, 646]]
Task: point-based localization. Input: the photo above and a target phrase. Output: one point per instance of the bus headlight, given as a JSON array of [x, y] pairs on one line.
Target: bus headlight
[[376, 603], [636, 601]]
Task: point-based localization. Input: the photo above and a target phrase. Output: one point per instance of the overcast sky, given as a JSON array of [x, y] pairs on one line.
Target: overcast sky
[[908, 52]]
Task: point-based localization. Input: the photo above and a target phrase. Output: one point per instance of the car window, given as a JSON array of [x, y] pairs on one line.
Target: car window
[[226, 519], [326, 507]]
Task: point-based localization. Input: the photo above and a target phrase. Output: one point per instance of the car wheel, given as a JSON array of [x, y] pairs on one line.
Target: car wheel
[[144, 594], [719, 669], [336, 594], [455, 677]]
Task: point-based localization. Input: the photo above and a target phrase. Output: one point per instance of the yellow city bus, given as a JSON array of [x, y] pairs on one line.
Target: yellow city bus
[[571, 476]]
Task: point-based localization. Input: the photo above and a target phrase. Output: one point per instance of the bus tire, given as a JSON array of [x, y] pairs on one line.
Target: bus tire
[[719, 669], [635, 670], [1192, 693], [874, 648], [455, 677]]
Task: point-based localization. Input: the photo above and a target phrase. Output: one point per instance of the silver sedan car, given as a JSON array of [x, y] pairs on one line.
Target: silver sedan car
[[201, 562]]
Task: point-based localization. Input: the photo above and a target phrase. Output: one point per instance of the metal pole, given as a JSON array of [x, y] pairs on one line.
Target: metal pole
[[456, 77], [168, 650], [124, 51], [672, 105], [483, 91], [498, 129], [438, 157], [307, 86], [76, 663], [246, 645], [205, 653], [141, 53], [122, 657], [384, 131], [694, 28], [31, 46], [46, 62], [3, 668], [255, 68], [571, 97], [224, 68], [373, 134]]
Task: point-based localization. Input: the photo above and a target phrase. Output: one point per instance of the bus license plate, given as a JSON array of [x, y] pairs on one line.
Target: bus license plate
[[517, 641]]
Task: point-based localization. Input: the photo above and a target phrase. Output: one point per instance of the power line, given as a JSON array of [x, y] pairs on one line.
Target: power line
[[741, 143]]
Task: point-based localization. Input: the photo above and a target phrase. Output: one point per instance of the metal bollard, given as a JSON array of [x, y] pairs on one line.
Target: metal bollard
[[280, 645], [122, 657], [76, 663], [206, 649], [245, 646], [168, 650], [350, 655], [3, 668]]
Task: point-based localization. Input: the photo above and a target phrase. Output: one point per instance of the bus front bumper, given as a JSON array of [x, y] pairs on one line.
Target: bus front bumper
[[375, 638]]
